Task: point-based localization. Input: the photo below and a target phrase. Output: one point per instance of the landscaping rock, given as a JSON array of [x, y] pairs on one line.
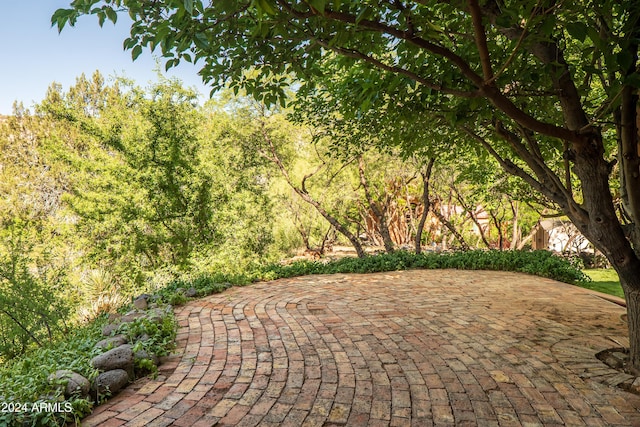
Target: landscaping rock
[[119, 358], [111, 381], [615, 358], [131, 316], [112, 342], [191, 292], [142, 302], [109, 329], [635, 386], [76, 383], [156, 315]]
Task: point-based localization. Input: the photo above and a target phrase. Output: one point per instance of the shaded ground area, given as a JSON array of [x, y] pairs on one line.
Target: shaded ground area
[[407, 348]]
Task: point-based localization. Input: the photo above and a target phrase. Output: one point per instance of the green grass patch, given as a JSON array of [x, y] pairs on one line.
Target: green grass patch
[[604, 280]]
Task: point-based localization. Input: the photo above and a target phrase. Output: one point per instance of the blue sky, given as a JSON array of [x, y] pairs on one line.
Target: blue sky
[[34, 55]]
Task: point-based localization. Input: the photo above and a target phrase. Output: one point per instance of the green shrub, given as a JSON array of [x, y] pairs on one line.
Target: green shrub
[[541, 263], [160, 334], [32, 307]]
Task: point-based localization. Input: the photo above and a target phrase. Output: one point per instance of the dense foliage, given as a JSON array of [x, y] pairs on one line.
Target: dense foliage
[[25, 381], [109, 190], [548, 89], [541, 263]]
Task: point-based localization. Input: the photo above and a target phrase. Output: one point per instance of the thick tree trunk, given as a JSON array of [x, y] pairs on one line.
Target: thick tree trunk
[[630, 281], [599, 223]]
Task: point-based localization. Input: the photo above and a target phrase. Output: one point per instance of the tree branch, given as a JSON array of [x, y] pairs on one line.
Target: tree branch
[[352, 53], [481, 41]]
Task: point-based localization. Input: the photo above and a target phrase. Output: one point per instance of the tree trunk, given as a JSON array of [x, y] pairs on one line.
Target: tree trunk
[[630, 281], [600, 225], [426, 177], [380, 213], [515, 236], [452, 229], [471, 212], [332, 220]]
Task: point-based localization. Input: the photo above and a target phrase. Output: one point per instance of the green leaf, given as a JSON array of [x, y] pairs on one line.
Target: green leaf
[[112, 15], [128, 43], [61, 17], [101, 18], [135, 53], [625, 59], [265, 6], [188, 5], [577, 30], [318, 5], [363, 14], [548, 25], [201, 41], [594, 35]]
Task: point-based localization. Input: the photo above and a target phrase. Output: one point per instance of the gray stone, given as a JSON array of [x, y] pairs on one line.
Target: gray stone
[[615, 360], [118, 358], [142, 302], [112, 342], [156, 315], [111, 381], [131, 316], [76, 383], [191, 292], [109, 329]]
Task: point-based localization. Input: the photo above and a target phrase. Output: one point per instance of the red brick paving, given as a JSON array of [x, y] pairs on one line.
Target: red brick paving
[[415, 348]]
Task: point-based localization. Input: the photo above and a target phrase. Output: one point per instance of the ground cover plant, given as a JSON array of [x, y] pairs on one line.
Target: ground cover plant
[[29, 398], [541, 263]]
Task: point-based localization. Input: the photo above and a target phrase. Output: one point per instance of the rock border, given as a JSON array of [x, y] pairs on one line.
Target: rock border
[[118, 364]]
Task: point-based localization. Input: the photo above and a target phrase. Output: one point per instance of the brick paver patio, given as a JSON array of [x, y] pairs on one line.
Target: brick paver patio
[[417, 348]]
